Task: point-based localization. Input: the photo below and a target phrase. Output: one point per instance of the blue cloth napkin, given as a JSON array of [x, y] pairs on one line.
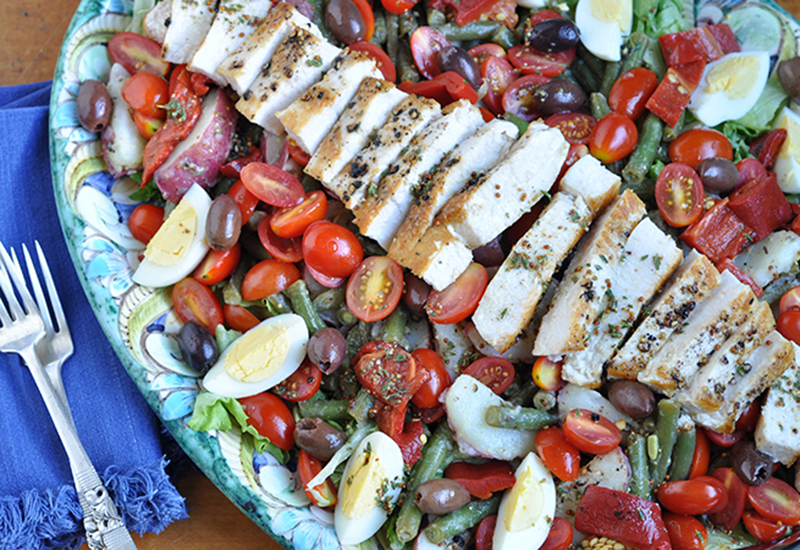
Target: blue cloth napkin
[[38, 504]]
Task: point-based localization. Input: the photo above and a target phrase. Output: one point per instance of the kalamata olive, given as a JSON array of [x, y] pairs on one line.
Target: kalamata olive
[[345, 21], [94, 105], [318, 438], [718, 175], [441, 496], [789, 75], [326, 349], [557, 96], [751, 465], [224, 223], [453, 58], [198, 347], [416, 294], [632, 398], [554, 35], [490, 254]]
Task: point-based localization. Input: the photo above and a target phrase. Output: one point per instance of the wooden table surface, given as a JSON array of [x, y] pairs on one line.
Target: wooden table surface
[[29, 47]]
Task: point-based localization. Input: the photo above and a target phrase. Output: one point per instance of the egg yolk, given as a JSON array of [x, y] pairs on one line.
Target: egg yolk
[[258, 354], [362, 483], [525, 503], [791, 146], [613, 11], [174, 238], [734, 77]]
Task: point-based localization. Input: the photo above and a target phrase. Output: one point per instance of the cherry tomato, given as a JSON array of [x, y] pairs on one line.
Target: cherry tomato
[[698, 144], [233, 168], [762, 528], [380, 57], [560, 535], [518, 97], [272, 185], [145, 221], [559, 455], [426, 43], [147, 93], [268, 277], [332, 250], [302, 384], [749, 418], [239, 318], [776, 500], [365, 9], [631, 91], [576, 127], [790, 300], [496, 373], [485, 533], [444, 88], [147, 125], [301, 157], [613, 138], [679, 194], [245, 199], [271, 418], [685, 532], [482, 52], [714, 482], [218, 265], [322, 495], [398, 7], [729, 517], [438, 379], [193, 301], [324, 280], [531, 61], [375, 288], [789, 325], [690, 497], [701, 456], [498, 74], [286, 250], [292, 221], [591, 432], [547, 374], [723, 440], [459, 300], [137, 53]]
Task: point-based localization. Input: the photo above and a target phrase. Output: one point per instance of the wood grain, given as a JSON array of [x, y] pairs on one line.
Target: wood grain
[[29, 45]]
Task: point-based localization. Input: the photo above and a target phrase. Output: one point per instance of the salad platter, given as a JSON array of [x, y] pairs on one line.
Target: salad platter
[[145, 304]]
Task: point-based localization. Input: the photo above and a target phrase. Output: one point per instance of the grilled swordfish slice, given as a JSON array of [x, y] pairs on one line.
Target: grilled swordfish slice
[[189, 23], [581, 294], [592, 182], [242, 67], [690, 347], [298, 63], [691, 283], [156, 21], [369, 109], [778, 429], [235, 21], [314, 113], [380, 213], [648, 259]]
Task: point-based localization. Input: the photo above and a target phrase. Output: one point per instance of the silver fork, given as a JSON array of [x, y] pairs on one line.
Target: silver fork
[[23, 331]]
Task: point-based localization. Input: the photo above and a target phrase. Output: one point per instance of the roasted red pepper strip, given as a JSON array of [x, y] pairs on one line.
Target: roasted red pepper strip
[[298, 154], [762, 205], [408, 437], [626, 518], [389, 373], [766, 147], [708, 43], [200, 84], [445, 88], [467, 11], [743, 277], [719, 233], [481, 480], [675, 90], [231, 169]]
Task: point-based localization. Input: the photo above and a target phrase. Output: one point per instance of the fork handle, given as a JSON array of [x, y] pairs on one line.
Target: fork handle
[[101, 519]]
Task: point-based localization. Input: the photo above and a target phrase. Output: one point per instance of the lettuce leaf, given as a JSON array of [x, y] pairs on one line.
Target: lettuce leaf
[[657, 17], [771, 100]]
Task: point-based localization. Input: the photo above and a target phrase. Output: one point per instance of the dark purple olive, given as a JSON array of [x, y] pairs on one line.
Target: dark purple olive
[[718, 175], [751, 465], [490, 254], [416, 294], [326, 349], [198, 347], [224, 223], [632, 398], [345, 21], [557, 96], [94, 105], [789, 75], [441, 496], [554, 35], [453, 58], [318, 438]]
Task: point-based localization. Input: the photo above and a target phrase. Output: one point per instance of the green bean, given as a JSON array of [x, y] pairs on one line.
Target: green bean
[[683, 454], [653, 59], [645, 153], [345, 316], [310, 184], [593, 62], [326, 409], [522, 24], [408, 23], [361, 405], [504, 37], [610, 76], [544, 400], [462, 519], [232, 290], [388, 537], [302, 305], [277, 304], [406, 68], [667, 433], [584, 76], [672, 132], [330, 299], [599, 105], [392, 36], [640, 474], [518, 418], [436, 18], [394, 330], [525, 394], [635, 57], [470, 31]]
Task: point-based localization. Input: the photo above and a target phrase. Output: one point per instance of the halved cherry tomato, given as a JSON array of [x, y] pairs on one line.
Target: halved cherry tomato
[[268, 277], [271, 418], [613, 138], [286, 250], [245, 199], [518, 97], [438, 380], [292, 221], [547, 374], [218, 265], [690, 497], [559, 455], [382, 60], [529, 60], [233, 168], [147, 93], [496, 373], [498, 74], [631, 91], [324, 280], [749, 418], [723, 440], [679, 194], [193, 301], [398, 7], [790, 301], [426, 43], [591, 432], [137, 53], [375, 288], [301, 157], [576, 127], [444, 88], [322, 495], [239, 318], [730, 516], [485, 533], [482, 52], [365, 9], [776, 500], [147, 125], [560, 535], [331, 249], [145, 221], [789, 325], [698, 144], [272, 185], [459, 300], [685, 532], [762, 528], [302, 384], [701, 456]]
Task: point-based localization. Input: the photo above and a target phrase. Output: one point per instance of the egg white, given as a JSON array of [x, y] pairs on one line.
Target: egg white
[[603, 38], [787, 162]]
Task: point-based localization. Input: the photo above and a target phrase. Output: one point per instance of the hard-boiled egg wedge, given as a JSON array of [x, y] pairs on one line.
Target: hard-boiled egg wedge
[[730, 86], [527, 509], [370, 486], [180, 243], [787, 163], [603, 25], [261, 358]]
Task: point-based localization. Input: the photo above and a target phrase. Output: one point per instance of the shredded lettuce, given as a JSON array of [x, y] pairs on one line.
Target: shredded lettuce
[[657, 17], [739, 136], [140, 9], [225, 337]]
